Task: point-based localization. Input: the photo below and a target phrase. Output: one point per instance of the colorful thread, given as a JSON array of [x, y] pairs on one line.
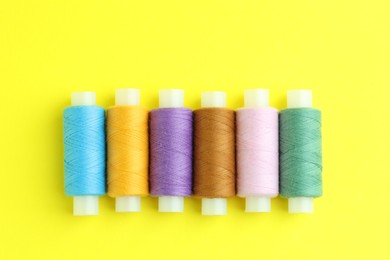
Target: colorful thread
[[214, 153], [85, 151], [127, 151], [171, 152], [300, 153], [257, 152]]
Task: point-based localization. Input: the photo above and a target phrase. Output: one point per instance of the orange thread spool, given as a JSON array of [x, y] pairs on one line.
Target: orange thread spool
[[127, 151]]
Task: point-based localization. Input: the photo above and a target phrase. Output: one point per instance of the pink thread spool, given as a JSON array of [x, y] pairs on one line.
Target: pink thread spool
[[257, 138]]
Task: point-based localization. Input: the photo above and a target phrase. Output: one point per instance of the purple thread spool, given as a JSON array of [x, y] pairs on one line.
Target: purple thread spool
[[171, 151]]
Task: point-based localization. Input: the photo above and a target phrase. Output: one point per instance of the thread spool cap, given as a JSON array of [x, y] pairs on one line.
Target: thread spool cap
[[300, 99], [213, 99], [300, 205], [85, 205], [257, 204], [256, 97], [127, 97], [128, 204], [83, 98], [214, 207], [171, 204], [170, 98]]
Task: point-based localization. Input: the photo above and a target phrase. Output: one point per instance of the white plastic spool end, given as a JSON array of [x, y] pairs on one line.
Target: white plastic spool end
[[170, 98], [300, 205], [85, 205], [213, 99], [171, 204], [214, 206], [127, 97], [128, 204], [300, 99], [256, 97], [83, 98], [257, 204]]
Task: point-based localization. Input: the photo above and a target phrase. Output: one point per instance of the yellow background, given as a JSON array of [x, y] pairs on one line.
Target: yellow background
[[339, 49]]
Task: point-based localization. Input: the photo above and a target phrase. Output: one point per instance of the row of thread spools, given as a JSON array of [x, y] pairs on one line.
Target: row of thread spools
[[212, 153]]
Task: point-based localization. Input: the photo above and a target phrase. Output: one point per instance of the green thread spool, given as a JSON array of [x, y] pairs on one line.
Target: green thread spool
[[300, 152]]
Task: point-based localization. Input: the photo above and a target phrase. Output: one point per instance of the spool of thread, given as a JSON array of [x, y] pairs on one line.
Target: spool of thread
[[257, 145], [85, 153], [171, 151], [300, 152], [127, 151], [214, 153]]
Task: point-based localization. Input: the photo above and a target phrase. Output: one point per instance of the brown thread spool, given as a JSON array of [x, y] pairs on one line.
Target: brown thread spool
[[214, 153], [127, 151]]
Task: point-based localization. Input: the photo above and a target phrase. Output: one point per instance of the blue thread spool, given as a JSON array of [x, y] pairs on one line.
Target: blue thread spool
[[85, 153]]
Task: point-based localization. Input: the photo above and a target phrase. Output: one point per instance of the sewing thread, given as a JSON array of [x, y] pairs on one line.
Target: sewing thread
[[257, 152], [214, 153], [84, 151], [300, 153], [127, 151], [171, 153]]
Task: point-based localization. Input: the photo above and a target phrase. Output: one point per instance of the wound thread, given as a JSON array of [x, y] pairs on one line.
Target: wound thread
[[171, 153], [127, 151], [300, 153], [84, 151], [214, 153], [257, 152]]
